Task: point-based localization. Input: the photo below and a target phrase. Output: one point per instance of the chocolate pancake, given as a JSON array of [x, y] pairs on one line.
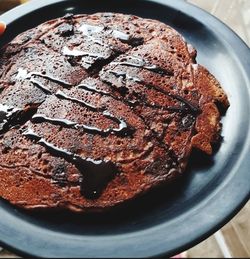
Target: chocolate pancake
[[98, 109]]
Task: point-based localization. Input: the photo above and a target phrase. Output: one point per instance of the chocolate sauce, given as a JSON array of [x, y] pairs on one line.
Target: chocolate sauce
[[88, 29], [192, 108], [66, 29], [59, 175], [78, 53], [41, 86], [23, 74], [120, 35], [68, 16], [123, 129], [5, 113], [92, 88], [98, 41], [159, 70], [39, 118], [62, 95], [125, 76], [95, 31], [186, 105], [125, 38], [53, 79], [96, 174], [187, 121], [11, 117], [135, 41], [133, 61]]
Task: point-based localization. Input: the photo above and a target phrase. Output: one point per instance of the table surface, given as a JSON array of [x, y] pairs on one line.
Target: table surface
[[234, 237]]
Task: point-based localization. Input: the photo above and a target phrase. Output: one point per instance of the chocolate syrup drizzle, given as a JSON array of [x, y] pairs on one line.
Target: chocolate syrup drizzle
[[123, 130], [186, 105], [6, 112], [14, 117], [96, 31], [134, 61], [96, 174]]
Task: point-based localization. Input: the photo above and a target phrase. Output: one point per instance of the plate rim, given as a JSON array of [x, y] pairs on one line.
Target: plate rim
[[232, 39]]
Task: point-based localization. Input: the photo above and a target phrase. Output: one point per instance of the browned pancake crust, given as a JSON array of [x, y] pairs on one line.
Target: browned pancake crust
[[97, 109]]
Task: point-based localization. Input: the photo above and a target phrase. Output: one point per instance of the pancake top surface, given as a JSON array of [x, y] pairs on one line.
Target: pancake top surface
[[97, 109]]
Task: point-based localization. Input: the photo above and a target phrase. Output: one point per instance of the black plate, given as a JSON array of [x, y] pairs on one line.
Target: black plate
[[163, 221]]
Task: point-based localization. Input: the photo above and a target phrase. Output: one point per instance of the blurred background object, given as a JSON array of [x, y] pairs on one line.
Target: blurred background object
[[8, 4], [233, 240], [234, 13]]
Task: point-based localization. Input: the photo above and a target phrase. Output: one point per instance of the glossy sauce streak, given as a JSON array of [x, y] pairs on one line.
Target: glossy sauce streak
[[90, 30], [6, 116], [96, 174], [62, 95], [93, 88], [23, 74], [95, 33], [188, 106], [125, 76], [123, 130], [98, 41], [120, 35], [5, 112], [78, 53], [133, 61], [41, 86], [39, 118]]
